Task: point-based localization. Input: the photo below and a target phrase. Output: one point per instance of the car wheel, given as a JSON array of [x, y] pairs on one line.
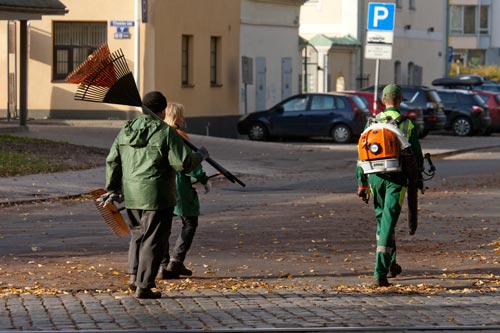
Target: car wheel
[[257, 132], [462, 127], [341, 134]]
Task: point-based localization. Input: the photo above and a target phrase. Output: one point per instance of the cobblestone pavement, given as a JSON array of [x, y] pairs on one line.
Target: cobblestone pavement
[[251, 309]]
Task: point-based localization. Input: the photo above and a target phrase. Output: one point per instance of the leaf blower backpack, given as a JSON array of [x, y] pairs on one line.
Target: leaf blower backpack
[[381, 144]]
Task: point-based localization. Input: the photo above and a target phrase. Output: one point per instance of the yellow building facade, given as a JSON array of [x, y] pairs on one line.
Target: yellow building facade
[[187, 49]]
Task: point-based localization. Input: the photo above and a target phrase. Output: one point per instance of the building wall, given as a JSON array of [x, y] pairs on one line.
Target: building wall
[[45, 96], [332, 18], [269, 30], [162, 66], [415, 44]]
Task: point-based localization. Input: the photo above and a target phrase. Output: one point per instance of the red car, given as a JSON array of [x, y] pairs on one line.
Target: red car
[[367, 97], [415, 114], [493, 100]]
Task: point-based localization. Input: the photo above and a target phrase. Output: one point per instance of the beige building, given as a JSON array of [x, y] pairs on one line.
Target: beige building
[[189, 49], [336, 31]]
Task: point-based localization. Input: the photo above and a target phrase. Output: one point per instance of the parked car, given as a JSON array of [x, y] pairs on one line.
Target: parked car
[[339, 116], [413, 113], [466, 113], [492, 99], [468, 82], [427, 100]]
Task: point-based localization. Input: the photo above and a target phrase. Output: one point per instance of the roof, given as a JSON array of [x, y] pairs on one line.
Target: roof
[[30, 9], [323, 40]]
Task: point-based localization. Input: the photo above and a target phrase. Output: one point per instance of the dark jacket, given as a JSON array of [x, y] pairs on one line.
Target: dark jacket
[[144, 159]]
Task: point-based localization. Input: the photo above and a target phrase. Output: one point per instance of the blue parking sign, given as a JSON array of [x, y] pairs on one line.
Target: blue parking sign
[[381, 16]]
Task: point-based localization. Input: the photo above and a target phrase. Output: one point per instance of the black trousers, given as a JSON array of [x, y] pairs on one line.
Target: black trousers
[[149, 230], [184, 241]]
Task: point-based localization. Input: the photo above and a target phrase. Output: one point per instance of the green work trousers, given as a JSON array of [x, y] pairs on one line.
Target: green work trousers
[[388, 197]]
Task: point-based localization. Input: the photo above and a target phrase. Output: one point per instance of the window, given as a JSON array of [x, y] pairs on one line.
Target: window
[[469, 19], [187, 61], [397, 72], [399, 3], [484, 13], [411, 73], [73, 43], [215, 61], [295, 104], [320, 103], [411, 4], [463, 19]]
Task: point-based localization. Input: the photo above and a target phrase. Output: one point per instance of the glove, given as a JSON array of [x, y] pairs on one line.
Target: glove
[[364, 193], [420, 183], [203, 152], [110, 197], [207, 186]]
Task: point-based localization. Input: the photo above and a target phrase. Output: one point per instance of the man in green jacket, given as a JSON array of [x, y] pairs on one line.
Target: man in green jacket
[[388, 191], [141, 164]]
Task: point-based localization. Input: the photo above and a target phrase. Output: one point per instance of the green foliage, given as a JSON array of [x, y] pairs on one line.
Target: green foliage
[[491, 72]]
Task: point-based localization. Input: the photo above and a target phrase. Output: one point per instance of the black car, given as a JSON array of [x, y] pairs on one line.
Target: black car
[[426, 99], [338, 116], [466, 112]]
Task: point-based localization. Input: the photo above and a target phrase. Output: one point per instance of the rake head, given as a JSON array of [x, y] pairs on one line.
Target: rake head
[[111, 215], [106, 78]]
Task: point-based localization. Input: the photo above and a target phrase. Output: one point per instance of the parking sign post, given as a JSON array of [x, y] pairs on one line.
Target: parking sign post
[[379, 37]]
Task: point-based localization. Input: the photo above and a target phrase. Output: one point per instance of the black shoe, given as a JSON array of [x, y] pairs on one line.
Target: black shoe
[[381, 282], [131, 283], [168, 275], [179, 268], [394, 270], [147, 293]]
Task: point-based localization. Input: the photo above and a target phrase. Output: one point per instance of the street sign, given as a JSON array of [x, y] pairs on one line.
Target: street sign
[[380, 30], [122, 33], [379, 37], [122, 23], [381, 16], [378, 51]]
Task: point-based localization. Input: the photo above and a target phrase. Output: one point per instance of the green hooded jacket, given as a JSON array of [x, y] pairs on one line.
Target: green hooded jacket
[[187, 203], [143, 161]]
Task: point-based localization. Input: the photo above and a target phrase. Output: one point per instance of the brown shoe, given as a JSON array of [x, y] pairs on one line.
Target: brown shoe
[[147, 293], [131, 283]]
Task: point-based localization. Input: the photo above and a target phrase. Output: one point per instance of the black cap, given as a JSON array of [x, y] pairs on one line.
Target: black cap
[[155, 101]]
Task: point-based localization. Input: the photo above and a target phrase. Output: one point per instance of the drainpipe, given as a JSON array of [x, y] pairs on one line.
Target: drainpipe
[[361, 38], [137, 50], [23, 74], [446, 38]]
